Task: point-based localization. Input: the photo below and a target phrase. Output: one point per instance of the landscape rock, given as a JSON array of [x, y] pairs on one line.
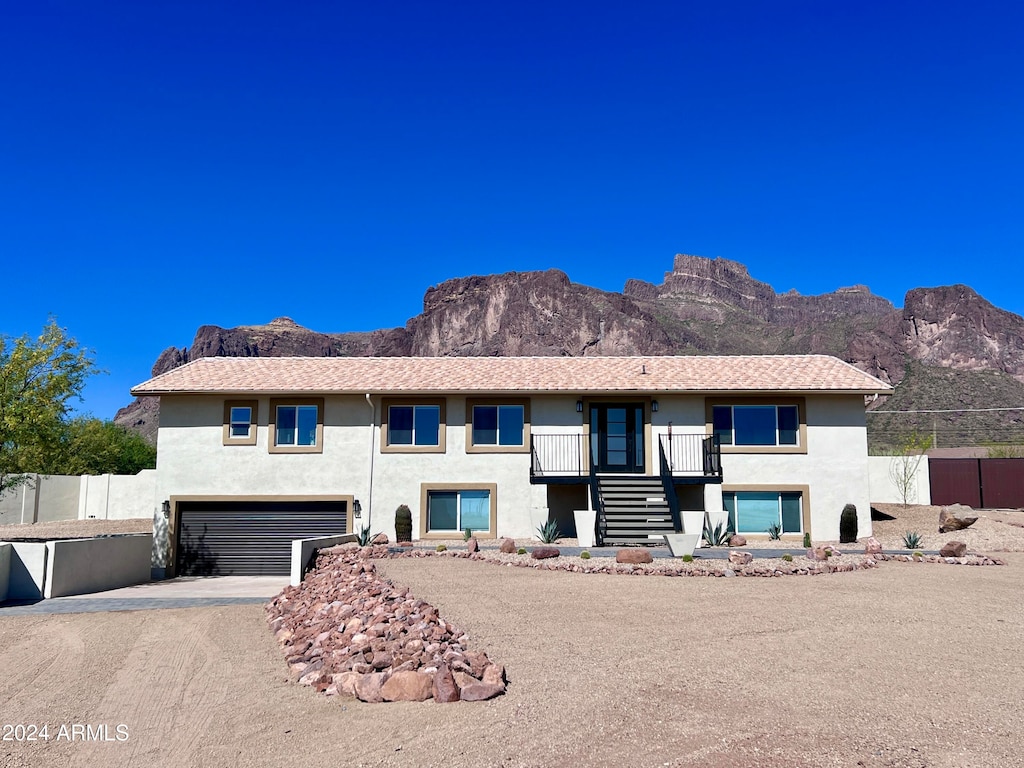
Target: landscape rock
[[818, 553], [380, 538], [543, 553], [633, 556], [740, 558], [737, 541], [368, 687], [481, 691], [408, 686], [872, 546], [472, 545], [956, 517], [444, 689], [508, 546], [953, 549]]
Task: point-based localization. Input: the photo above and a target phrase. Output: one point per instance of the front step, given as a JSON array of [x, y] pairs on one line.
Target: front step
[[634, 511]]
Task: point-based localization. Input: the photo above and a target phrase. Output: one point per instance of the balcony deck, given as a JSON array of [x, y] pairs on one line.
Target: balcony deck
[[564, 458]]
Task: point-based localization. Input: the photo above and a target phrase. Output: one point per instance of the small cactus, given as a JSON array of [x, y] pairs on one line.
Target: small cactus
[[403, 523], [848, 525]]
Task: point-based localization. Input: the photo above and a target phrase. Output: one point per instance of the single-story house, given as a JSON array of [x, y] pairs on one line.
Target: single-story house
[[254, 452]]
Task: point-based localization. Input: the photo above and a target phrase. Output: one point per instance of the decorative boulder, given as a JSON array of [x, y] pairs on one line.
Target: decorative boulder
[[956, 517], [380, 538], [737, 541], [818, 553], [740, 558], [472, 544], [953, 549], [508, 546], [633, 556], [872, 546], [543, 553], [444, 689]]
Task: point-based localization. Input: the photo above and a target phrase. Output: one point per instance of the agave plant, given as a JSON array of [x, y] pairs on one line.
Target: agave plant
[[549, 533], [912, 540], [774, 532], [717, 536], [364, 536]]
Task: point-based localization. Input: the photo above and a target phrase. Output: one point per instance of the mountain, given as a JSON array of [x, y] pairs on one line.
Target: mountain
[[703, 306]]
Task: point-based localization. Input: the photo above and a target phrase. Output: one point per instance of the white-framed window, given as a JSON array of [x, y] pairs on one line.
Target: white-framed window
[[755, 512], [455, 510], [757, 425], [240, 422], [418, 425], [296, 425], [501, 425]]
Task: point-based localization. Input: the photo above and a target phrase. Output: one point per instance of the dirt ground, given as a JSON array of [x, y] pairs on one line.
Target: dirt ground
[[74, 529], [905, 666]]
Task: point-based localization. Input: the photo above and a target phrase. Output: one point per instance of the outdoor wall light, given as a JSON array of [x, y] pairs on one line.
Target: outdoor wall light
[[654, 405], [165, 507], [357, 509], [579, 406]]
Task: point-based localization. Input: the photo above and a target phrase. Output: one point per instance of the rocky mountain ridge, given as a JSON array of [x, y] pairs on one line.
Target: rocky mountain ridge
[[703, 306]]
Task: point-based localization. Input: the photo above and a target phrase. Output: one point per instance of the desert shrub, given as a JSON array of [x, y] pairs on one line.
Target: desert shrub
[[848, 525], [717, 536], [467, 534], [442, 548], [807, 539], [403, 523], [364, 536], [787, 557], [911, 540], [549, 533], [521, 551], [774, 532], [687, 558], [584, 555]]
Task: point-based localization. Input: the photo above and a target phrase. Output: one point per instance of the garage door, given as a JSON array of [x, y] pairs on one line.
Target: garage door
[[250, 538]]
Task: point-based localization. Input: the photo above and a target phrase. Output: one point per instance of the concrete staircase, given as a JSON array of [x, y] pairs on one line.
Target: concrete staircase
[[634, 510]]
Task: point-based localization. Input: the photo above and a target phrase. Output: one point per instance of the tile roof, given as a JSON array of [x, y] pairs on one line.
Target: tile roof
[[423, 375]]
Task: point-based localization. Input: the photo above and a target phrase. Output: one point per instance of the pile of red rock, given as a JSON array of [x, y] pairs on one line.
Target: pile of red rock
[[345, 630]]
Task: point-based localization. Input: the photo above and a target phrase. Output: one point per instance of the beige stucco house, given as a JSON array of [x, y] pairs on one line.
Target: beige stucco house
[[254, 452]]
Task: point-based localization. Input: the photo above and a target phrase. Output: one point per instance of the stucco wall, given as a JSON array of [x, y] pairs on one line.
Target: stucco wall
[[194, 462], [5, 568], [81, 566], [28, 570], [834, 468], [117, 497], [884, 490]]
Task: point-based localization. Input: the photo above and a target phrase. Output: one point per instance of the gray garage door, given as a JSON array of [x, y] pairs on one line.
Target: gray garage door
[[250, 538]]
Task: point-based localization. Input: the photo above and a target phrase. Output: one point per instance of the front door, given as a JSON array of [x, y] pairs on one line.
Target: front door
[[617, 437]]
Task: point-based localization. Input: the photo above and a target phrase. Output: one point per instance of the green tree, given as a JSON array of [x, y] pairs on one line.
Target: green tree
[[95, 447], [37, 379]]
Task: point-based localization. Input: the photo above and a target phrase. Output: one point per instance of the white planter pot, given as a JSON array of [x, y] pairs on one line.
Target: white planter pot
[[693, 521], [538, 518], [586, 522], [680, 544]]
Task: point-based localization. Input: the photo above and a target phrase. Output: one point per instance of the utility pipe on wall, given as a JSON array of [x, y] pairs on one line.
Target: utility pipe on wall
[[369, 487]]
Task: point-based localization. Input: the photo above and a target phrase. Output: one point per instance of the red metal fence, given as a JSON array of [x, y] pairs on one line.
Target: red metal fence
[[979, 483]]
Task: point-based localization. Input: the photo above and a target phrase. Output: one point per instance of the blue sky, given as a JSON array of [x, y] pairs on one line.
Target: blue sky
[[165, 166]]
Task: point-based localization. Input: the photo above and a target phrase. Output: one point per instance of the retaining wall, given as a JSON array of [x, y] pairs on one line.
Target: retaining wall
[[80, 566], [5, 569], [304, 549]]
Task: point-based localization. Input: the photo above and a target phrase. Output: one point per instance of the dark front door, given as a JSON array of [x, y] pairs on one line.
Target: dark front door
[[617, 437]]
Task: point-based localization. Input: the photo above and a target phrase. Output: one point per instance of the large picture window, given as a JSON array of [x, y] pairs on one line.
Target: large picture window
[[751, 425], [448, 510], [296, 425], [413, 426], [497, 425], [756, 511]]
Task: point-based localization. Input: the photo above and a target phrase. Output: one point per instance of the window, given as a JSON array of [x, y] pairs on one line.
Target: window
[[240, 422], [296, 425], [413, 426], [755, 511], [451, 509], [757, 425], [497, 426]]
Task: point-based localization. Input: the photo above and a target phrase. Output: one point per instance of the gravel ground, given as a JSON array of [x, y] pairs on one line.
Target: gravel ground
[[903, 666]]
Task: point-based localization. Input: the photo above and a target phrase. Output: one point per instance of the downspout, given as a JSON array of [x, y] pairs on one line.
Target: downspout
[[373, 426]]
